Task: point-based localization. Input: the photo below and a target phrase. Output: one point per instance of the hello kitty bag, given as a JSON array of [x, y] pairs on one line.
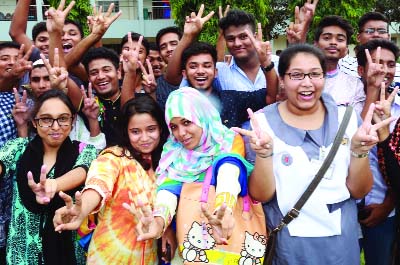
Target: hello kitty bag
[[195, 241]]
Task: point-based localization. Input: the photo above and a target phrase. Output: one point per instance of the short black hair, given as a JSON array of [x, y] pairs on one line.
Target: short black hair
[[371, 46], [196, 49], [334, 21], [135, 37], [9, 44], [237, 18], [288, 54], [37, 29], [53, 93], [77, 24], [371, 16], [100, 53], [166, 30], [153, 47]]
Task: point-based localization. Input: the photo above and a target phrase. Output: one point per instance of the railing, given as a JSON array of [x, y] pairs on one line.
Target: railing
[[158, 10]]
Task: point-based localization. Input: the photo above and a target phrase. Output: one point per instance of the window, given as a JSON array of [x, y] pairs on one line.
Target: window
[[106, 3]]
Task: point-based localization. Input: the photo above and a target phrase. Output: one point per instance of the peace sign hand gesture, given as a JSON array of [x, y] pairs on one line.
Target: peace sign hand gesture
[[263, 48], [45, 189], [56, 17], [366, 136], [20, 111], [58, 75], [148, 80], [130, 58], [90, 106], [222, 223], [99, 22], [194, 23], [70, 216], [375, 70], [260, 141]]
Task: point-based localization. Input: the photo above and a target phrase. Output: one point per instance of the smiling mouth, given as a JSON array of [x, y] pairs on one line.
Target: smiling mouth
[[67, 47]]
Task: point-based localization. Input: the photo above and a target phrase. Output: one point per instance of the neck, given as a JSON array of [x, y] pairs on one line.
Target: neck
[[248, 64], [331, 64], [7, 84], [310, 119]]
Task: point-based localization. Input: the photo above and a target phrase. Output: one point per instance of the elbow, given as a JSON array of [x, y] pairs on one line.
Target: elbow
[[360, 190]]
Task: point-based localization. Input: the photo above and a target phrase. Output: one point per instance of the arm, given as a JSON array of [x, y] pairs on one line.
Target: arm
[[220, 45], [193, 26], [18, 25]]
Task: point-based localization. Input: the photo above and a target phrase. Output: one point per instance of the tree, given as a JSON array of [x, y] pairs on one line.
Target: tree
[[350, 10], [390, 8], [181, 8], [81, 10]]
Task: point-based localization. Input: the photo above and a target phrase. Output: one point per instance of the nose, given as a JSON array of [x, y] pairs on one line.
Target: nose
[[100, 75], [42, 83], [55, 125], [145, 136], [181, 131], [237, 42]]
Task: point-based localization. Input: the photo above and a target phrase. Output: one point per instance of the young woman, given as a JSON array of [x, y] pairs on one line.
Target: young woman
[[38, 169], [290, 140], [121, 173], [198, 141]]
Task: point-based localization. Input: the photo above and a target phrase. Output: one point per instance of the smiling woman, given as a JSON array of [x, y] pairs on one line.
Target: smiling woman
[[41, 167]]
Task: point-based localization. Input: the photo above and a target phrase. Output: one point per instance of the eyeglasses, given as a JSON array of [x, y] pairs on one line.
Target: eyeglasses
[[48, 122], [371, 31], [301, 76]]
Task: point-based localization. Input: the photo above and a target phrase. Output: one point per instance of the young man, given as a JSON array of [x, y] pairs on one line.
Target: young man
[[199, 68], [372, 25], [332, 36], [156, 61], [377, 217], [102, 66]]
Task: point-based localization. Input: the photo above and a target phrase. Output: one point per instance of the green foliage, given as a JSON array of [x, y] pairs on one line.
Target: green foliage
[[390, 8], [182, 8], [79, 12], [351, 10]]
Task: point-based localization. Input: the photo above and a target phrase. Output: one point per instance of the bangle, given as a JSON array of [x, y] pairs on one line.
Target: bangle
[[266, 156], [357, 155]]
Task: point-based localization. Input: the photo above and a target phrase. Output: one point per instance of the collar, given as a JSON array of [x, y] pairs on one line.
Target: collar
[[332, 73]]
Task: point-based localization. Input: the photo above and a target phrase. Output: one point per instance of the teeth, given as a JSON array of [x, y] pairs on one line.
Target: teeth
[[102, 84], [307, 93], [67, 46]]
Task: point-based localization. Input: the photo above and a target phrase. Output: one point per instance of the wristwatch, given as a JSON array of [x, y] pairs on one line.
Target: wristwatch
[[268, 68]]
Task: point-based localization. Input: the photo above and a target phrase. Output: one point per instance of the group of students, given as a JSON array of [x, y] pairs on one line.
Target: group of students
[[88, 132]]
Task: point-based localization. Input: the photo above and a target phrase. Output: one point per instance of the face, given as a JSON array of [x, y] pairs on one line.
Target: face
[[239, 43], [144, 133], [186, 132], [70, 38], [156, 62], [8, 57], [364, 37], [168, 43], [200, 71], [389, 65], [55, 135], [39, 80], [104, 77], [303, 95], [42, 42], [333, 42]]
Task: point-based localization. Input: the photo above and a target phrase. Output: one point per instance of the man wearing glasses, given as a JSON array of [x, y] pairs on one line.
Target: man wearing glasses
[[372, 25]]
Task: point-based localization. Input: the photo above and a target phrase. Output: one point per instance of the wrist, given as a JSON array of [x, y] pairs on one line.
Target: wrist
[[267, 68], [359, 154], [265, 155]]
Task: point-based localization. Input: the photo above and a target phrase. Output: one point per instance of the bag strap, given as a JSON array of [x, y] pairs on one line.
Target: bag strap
[[295, 211], [206, 185]]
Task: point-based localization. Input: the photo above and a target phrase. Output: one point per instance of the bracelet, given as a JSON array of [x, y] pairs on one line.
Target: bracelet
[[357, 155], [266, 156], [268, 68]]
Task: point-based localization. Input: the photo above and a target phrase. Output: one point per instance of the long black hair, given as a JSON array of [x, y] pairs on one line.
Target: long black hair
[[140, 105]]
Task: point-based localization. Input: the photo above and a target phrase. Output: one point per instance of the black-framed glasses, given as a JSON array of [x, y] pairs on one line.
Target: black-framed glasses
[[48, 122], [301, 76], [380, 31]]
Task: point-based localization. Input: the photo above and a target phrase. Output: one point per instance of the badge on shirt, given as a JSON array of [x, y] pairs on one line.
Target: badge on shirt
[[286, 159]]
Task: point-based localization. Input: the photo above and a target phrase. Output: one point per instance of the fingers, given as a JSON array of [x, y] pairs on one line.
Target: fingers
[[201, 10], [227, 10], [368, 55], [368, 117], [149, 67], [69, 7], [220, 12], [383, 123], [67, 199], [259, 32], [383, 92], [46, 62], [393, 94], [83, 92], [251, 37], [109, 10], [296, 15], [31, 183], [378, 55], [254, 122], [243, 131], [16, 95]]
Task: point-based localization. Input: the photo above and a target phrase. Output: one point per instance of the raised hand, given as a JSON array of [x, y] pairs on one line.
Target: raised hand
[[22, 64], [20, 111], [70, 216], [263, 48], [375, 71], [45, 189], [56, 17], [220, 14], [58, 75], [130, 58], [90, 106], [148, 80], [382, 110], [99, 22], [222, 223], [147, 226], [307, 11], [260, 141], [194, 23], [366, 136]]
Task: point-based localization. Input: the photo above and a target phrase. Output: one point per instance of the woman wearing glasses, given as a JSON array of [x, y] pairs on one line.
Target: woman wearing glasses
[[288, 144], [40, 167]]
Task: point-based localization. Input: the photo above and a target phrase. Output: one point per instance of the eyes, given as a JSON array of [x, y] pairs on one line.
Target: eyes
[[150, 129], [242, 36], [184, 122]]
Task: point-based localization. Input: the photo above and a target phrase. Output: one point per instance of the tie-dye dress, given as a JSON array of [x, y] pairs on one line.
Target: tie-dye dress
[[113, 176]]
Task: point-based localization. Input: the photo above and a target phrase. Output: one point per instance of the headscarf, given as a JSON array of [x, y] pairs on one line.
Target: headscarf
[[179, 163]]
